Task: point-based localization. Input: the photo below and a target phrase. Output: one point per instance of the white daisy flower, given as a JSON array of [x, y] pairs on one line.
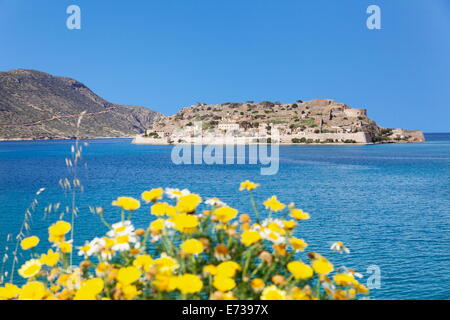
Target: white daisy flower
[[215, 202], [89, 248], [268, 221], [123, 242], [176, 193], [106, 255], [274, 237], [339, 246], [353, 272], [121, 228]]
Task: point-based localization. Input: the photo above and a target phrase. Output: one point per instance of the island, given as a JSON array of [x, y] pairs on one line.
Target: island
[[321, 121]]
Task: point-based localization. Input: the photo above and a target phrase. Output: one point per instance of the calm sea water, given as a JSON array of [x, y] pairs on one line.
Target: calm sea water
[[389, 203]]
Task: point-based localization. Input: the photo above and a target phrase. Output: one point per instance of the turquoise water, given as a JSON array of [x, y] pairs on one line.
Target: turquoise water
[[389, 203]]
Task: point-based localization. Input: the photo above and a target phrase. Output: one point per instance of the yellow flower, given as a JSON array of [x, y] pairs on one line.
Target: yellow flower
[[66, 247], [102, 268], [218, 295], [227, 269], [128, 275], [189, 283], [90, 289], [152, 195], [62, 280], [143, 262], [210, 269], [9, 291], [298, 244], [188, 203], [299, 214], [345, 279], [223, 283], [299, 294], [162, 208], [50, 259], [55, 288], [360, 288], [30, 268], [185, 222], [32, 291], [274, 227], [157, 225], [192, 246], [225, 214], [29, 243], [250, 237], [108, 242], [300, 270], [273, 204], [166, 264], [127, 203], [257, 284], [273, 293], [123, 239], [289, 224], [322, 266], [58, 230], [165, 282], [279, 248], [248, 185], [130, 292]]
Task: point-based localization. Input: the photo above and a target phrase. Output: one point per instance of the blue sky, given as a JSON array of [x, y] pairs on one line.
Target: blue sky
[[167, 54]]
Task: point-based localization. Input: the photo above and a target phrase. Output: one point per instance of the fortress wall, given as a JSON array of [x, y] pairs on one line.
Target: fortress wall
[[359, 137], [353, 113]]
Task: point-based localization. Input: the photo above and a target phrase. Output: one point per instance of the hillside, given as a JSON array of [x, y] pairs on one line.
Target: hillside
[[316, 121], [37, 105]]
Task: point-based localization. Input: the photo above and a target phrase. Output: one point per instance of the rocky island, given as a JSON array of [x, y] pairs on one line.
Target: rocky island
[[320, 121]]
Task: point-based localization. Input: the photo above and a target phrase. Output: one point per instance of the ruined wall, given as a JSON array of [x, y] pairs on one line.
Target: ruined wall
[[354, 113], [359, 137]]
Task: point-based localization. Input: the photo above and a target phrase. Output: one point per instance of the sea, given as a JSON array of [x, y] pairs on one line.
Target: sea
[[389, 203]]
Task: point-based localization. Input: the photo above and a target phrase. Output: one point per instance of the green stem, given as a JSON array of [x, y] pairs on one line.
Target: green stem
[[255, 207], [72, 232], [103, 220], [256, 269], [247, 262]]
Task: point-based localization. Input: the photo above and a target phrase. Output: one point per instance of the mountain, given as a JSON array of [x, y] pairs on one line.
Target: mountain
[[315, 121], [37, 105]]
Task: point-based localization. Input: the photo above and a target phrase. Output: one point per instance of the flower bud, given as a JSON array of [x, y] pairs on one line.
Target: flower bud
[[279, 280], [140, 232], [85, 264], [266, 256], [244, 218]]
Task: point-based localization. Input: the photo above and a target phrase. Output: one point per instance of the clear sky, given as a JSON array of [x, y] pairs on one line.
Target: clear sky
[[167, 54]]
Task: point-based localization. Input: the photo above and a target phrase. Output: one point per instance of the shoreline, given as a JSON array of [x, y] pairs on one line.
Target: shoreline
[[168, 144], [205, 144], [61, 139], [281, 144]]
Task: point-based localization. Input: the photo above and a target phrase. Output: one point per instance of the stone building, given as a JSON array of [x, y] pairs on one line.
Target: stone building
[[228, 126]]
